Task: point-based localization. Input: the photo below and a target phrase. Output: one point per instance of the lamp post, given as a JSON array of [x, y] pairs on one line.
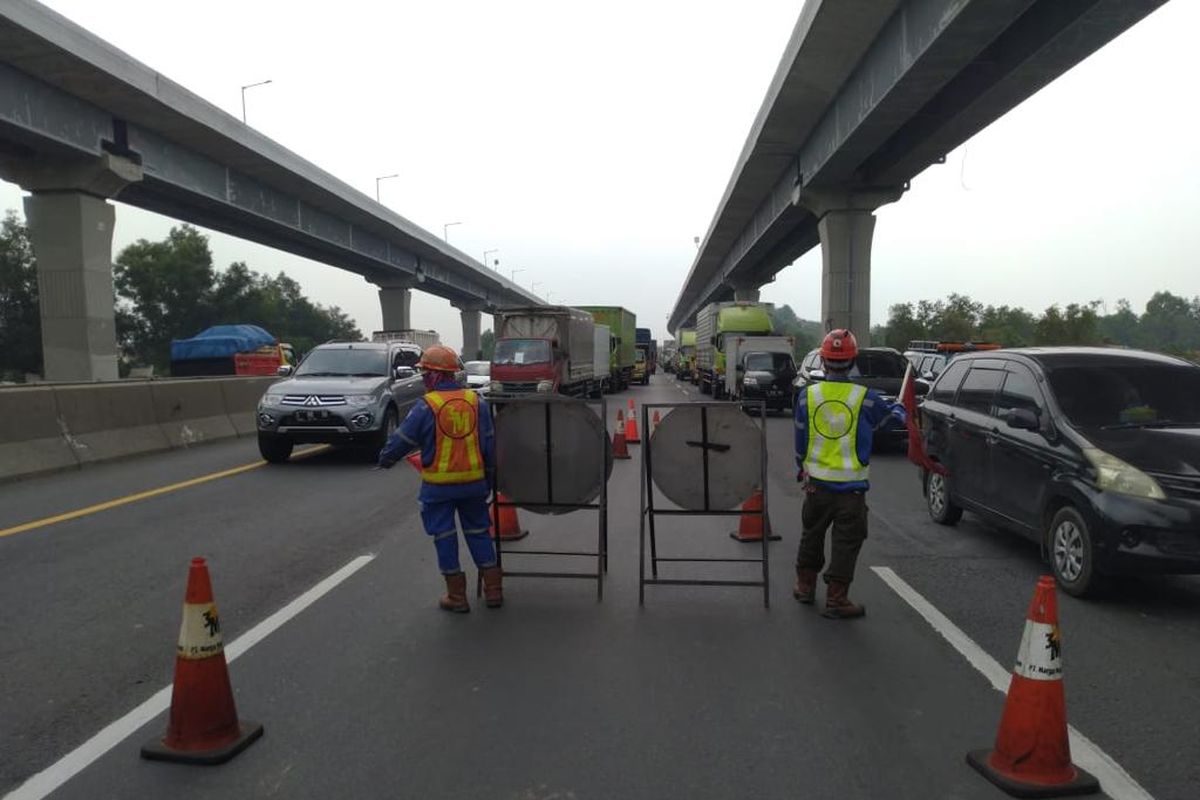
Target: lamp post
[[446, 230], [382, 178], [533, 286], [486, 253], [244, 88], [515, 271]]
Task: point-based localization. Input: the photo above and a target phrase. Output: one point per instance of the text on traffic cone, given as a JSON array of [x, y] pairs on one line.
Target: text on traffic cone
[[620, 448]]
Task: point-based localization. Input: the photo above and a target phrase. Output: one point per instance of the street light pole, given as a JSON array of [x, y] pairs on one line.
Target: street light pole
[[244, 88], [515, 271], [486, 253], [382, 178], [446, 230]]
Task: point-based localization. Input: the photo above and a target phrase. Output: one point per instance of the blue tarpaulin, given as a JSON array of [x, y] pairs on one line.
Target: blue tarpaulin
[[221, 341]]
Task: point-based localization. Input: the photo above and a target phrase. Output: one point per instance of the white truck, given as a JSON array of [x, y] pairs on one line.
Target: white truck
[[760, 368], [602, 347], [423, 339]]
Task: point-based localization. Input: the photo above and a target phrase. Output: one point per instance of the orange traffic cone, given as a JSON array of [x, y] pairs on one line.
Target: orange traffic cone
[[620, 447], [509, 526], [203, 727], [751, 525], [631, 428], [1032, 756]]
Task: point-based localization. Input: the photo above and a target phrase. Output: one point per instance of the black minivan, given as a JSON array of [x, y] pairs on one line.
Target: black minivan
[[1094, 453]]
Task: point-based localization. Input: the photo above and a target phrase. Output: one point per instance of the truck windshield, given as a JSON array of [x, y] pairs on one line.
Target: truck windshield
[[521, 351], [1137, 394], [343, 362], [770, 362], [879, 365]]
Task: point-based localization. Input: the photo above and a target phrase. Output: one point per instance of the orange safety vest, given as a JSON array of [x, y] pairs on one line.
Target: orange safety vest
[[458, 457]]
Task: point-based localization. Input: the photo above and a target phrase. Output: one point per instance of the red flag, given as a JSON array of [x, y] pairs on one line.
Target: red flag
[[916, 445], [414, 460]]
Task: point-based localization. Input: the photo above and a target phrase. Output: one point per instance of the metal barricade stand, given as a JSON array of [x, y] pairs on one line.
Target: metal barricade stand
[[706, 445], [500, 406]]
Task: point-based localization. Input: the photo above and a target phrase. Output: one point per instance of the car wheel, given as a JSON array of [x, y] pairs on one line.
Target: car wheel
[[390, 422], [942, 510], [1071, 553], [275, 449]]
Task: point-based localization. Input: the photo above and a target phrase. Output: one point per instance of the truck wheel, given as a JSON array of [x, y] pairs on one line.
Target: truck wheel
[[274, 448]]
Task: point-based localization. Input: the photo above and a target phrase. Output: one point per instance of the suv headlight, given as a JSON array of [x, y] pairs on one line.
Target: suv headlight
[[360, 400], [1114, 475], [271, 399], [750, 380]]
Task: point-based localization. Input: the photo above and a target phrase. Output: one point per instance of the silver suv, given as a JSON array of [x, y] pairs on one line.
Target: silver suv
[[342, 393]]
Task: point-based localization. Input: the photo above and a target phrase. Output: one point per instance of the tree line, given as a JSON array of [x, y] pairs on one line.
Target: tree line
[[1169, 324], [165, 290]]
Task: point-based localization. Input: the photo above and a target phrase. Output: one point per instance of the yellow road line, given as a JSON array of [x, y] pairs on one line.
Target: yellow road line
[[133, 498]]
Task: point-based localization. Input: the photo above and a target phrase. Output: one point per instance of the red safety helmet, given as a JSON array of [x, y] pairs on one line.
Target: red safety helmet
[[439, 358], [839, 345]]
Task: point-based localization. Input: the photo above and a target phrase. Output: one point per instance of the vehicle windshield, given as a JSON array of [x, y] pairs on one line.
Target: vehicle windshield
[[338, 361], [1137, 394], [770, 362], [521, 351], [879, 365], [640, 357], [478, 368]]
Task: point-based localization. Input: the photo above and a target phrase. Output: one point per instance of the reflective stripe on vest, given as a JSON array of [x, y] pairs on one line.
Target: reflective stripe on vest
[[833, 409], [457, 456]]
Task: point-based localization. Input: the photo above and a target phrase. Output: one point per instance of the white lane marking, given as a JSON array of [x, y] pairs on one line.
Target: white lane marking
[[109, 737], [1114, 780]]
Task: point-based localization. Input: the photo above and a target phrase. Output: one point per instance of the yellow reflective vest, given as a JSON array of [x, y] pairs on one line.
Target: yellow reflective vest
[[833, 412]]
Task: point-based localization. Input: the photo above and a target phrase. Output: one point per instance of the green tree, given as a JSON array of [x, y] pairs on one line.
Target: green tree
[[1078, 324], [164, 290], [487, 343], [784, 322], [903, 326], [1006, 325], [1170, 323], [20, 319], [1122, 326]]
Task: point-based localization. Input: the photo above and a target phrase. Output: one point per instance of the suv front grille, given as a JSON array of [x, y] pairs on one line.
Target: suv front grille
[[518, 388], [314, 400]]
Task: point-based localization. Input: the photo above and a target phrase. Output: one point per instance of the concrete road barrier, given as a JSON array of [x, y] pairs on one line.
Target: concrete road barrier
[[52, 427], [191, 411], [103, 421], [31, 438], [241, 402]]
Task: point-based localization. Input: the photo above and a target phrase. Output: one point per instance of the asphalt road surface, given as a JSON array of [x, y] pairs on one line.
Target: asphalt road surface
[[369, 691]]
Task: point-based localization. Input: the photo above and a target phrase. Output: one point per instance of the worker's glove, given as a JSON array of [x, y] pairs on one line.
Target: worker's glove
[[899, 413], [385, 463]]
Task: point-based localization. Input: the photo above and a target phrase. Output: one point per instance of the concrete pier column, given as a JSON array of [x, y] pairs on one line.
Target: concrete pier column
[[471, 325], [748, 294], [395, 301], [72, 233], [846, 225], [71, 229]]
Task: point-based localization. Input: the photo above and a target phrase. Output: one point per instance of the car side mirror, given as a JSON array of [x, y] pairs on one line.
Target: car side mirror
[[927, 375], [404, 372], [1023, 419], [816, 374], [284, 370]]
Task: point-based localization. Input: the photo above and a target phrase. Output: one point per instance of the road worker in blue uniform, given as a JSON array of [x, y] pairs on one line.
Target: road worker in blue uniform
[[835, 426], [452, 428]]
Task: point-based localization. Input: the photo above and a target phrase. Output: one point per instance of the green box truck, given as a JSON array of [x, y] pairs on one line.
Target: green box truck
[[623, 325], [714, 323]]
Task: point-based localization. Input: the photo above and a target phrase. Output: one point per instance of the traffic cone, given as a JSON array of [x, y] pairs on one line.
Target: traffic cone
[[203, 727], [1032, 756], [751, 526], [509, 526], [631, 428], [620, 446]]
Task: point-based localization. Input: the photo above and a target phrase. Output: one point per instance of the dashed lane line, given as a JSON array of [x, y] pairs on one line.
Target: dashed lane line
[[1114, 780], [78, 759], [146, 495]]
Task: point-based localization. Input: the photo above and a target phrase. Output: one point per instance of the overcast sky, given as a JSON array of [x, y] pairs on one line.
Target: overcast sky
[[590, 144]]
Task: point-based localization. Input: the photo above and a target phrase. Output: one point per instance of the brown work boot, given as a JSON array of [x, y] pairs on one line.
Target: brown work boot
[[806, 586], [493, 590], [837, 602], [456, 594]]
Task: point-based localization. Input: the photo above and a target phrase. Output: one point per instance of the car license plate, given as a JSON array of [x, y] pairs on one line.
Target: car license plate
[[311, 416]]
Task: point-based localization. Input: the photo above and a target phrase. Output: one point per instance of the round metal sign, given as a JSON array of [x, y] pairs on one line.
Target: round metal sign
[[733, 444], [530, 472]]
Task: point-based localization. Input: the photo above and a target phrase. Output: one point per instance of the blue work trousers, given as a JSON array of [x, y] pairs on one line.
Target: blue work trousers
[[438, 518]]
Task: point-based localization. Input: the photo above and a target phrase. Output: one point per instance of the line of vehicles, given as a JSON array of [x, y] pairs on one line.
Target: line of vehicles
[[1094, 453]]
